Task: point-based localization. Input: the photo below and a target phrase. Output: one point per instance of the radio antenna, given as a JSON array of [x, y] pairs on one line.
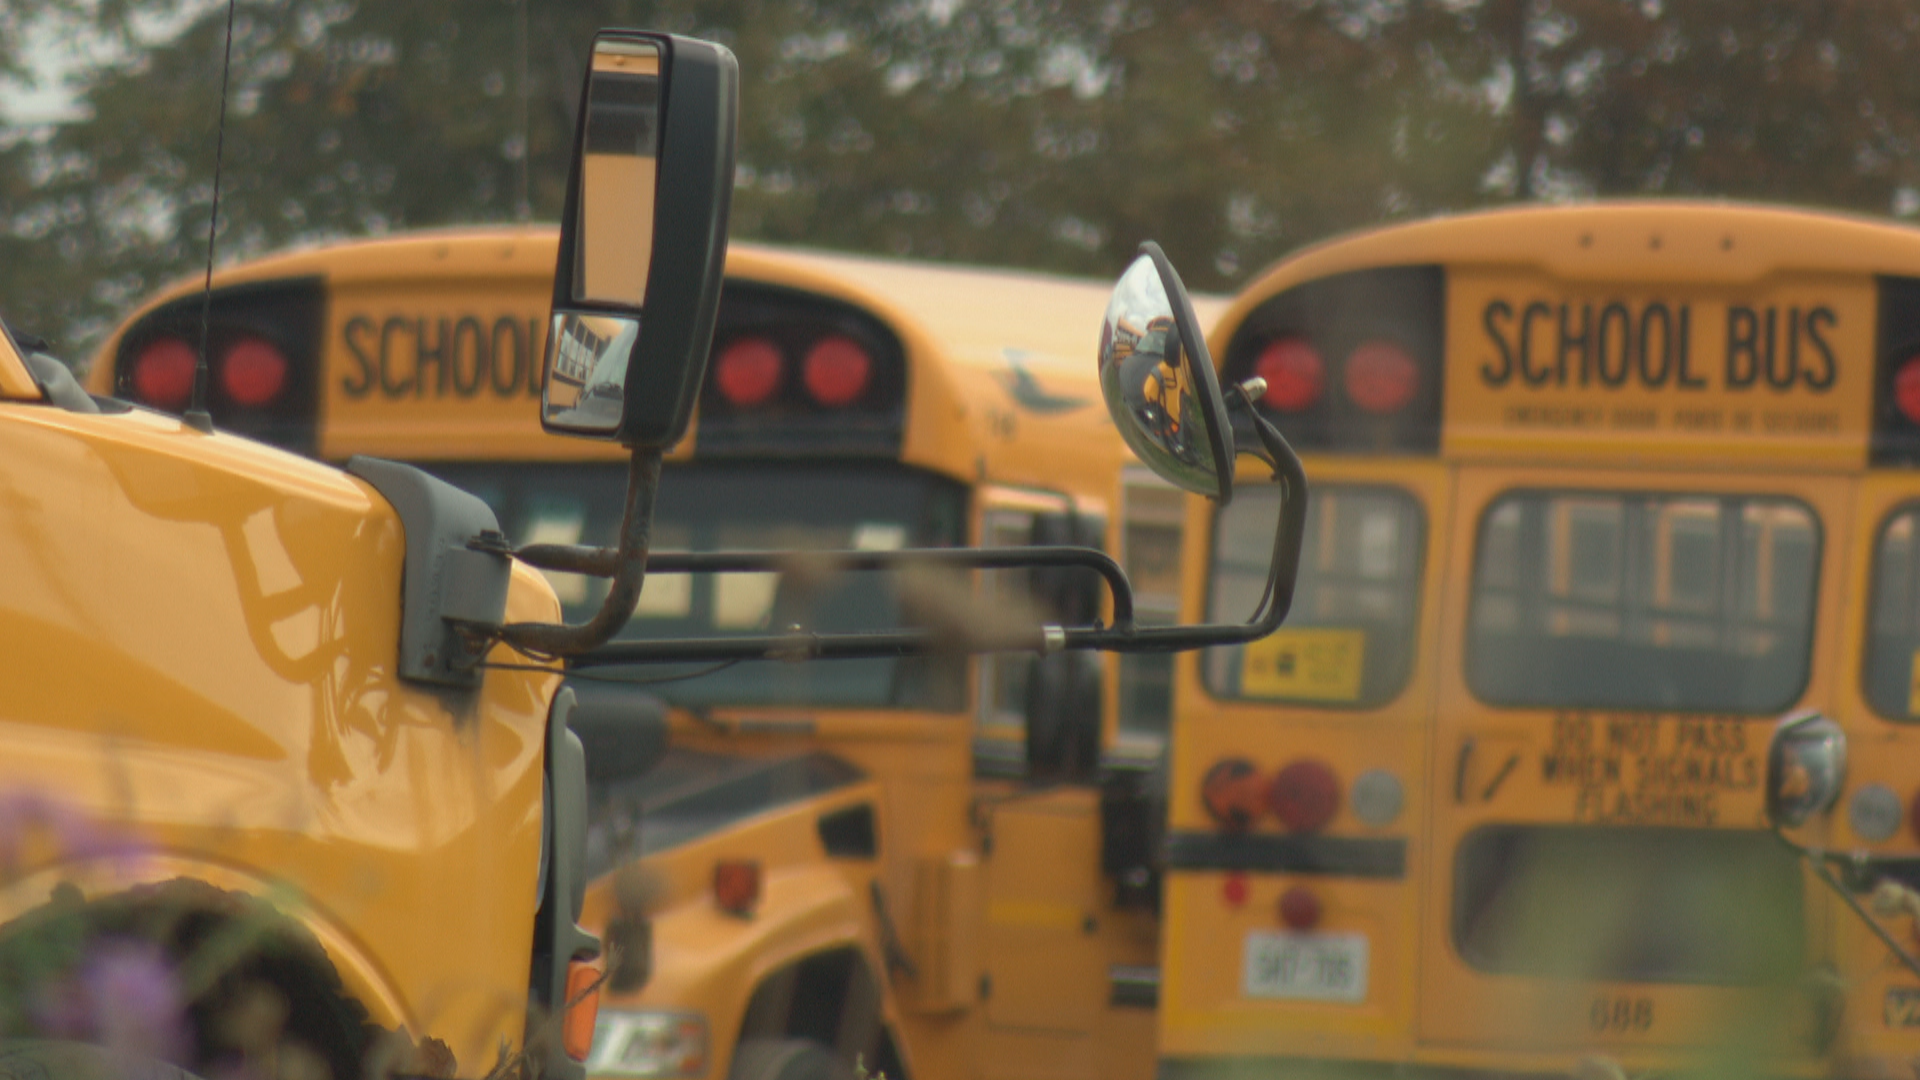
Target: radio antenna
[[196, 413]]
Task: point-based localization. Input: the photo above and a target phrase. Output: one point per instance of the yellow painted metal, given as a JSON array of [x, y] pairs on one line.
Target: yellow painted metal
[[16, 382], [201, 636]]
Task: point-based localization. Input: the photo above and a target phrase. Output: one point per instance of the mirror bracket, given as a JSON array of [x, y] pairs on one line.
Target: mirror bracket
[[626, 565]]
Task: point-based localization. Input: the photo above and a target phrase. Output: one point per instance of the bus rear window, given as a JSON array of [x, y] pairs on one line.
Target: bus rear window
[[1627, 904], [1349, 637], [1893, 619], [1643, 601]]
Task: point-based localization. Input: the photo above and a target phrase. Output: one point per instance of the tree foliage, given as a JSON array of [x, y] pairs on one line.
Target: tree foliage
[[1045, 133]]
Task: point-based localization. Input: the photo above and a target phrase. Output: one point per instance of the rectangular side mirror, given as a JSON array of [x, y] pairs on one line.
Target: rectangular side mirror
[[643, 239]]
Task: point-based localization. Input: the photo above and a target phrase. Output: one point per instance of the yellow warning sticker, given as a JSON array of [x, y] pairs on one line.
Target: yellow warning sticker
[[1913, 685], [1305, 663]]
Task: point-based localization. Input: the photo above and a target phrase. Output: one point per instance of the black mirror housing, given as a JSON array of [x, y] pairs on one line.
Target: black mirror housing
[[620, 368]]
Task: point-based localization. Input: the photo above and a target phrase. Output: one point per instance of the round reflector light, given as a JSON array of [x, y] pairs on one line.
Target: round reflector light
[[1874, 812], [1233, 889], [1296, 375], [748, 372], [836, 371], [253, 372], [1304, 796], [163, 373], [1300, 908], [1906, 389], [1232, 793], [1380, 376]]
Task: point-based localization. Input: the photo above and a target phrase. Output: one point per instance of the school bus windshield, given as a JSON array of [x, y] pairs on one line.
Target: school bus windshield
[[729, 507]]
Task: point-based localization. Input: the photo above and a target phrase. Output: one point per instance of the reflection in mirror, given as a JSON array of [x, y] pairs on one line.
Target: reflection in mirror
[[618, 173], [1167, 409], [1806, 767], [587, 370]]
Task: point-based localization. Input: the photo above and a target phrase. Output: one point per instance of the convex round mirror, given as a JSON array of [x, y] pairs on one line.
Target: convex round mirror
[[1806, 766], [1158, 379]]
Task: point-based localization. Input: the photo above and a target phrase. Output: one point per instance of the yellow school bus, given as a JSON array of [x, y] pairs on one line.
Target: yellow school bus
[[1600, 492], [244, 823], [940, 867]]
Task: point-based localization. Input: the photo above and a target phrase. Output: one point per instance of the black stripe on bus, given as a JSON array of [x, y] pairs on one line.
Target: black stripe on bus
[[1340, 856]]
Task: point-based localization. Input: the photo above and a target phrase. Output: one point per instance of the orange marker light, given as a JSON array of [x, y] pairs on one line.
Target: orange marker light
[[736, 885], [582, 1008], [1232, 793]]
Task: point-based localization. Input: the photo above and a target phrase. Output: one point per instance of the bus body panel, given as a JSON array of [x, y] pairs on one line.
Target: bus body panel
[[205, 633]]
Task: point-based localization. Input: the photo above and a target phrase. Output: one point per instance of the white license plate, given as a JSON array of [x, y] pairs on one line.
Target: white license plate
[[1311, 967]]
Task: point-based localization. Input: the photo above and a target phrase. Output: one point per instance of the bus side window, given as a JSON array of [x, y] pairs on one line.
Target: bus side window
[[1893, 622], [1040, 716], [1152, 516]]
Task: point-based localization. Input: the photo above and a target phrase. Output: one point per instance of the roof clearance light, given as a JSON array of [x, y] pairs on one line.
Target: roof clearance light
[[1304, 796], [163, 373], [1906, 389], [836, 371], [748, 371], [1381, 377], [1296, 375], [1232, 793], [253, 373]]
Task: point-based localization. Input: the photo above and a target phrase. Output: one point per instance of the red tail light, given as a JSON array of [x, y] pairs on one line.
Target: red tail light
[[748, 371], [163, 373], [1906, 389], [1233, 889], [736, 885], [1381, 377], [836, 371], [253, 372], [1232, 794], [1295, 373], [1300, 908], [1304, 796]]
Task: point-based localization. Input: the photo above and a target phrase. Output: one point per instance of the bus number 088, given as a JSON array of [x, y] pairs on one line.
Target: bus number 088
[[1620, 1015]]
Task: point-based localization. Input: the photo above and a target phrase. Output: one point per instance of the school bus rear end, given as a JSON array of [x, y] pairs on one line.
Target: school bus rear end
[[1598, 493]]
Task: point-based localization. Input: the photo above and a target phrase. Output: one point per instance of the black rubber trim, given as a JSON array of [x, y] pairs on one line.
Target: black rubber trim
[[1134, 987], [444, 582], [1242, 1066], [1335, 856]]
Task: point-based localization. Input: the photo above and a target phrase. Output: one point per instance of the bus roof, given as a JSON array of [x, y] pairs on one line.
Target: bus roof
[[1687, 241], [1013, 344]]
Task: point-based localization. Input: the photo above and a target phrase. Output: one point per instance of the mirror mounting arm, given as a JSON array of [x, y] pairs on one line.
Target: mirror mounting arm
[[626, 565], [1817, 861]]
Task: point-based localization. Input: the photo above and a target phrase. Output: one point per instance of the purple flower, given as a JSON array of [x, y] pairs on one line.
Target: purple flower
[[125, 996], [29, 813]]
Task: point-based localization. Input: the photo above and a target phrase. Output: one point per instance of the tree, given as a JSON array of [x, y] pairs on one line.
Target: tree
[[1051, 134]]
